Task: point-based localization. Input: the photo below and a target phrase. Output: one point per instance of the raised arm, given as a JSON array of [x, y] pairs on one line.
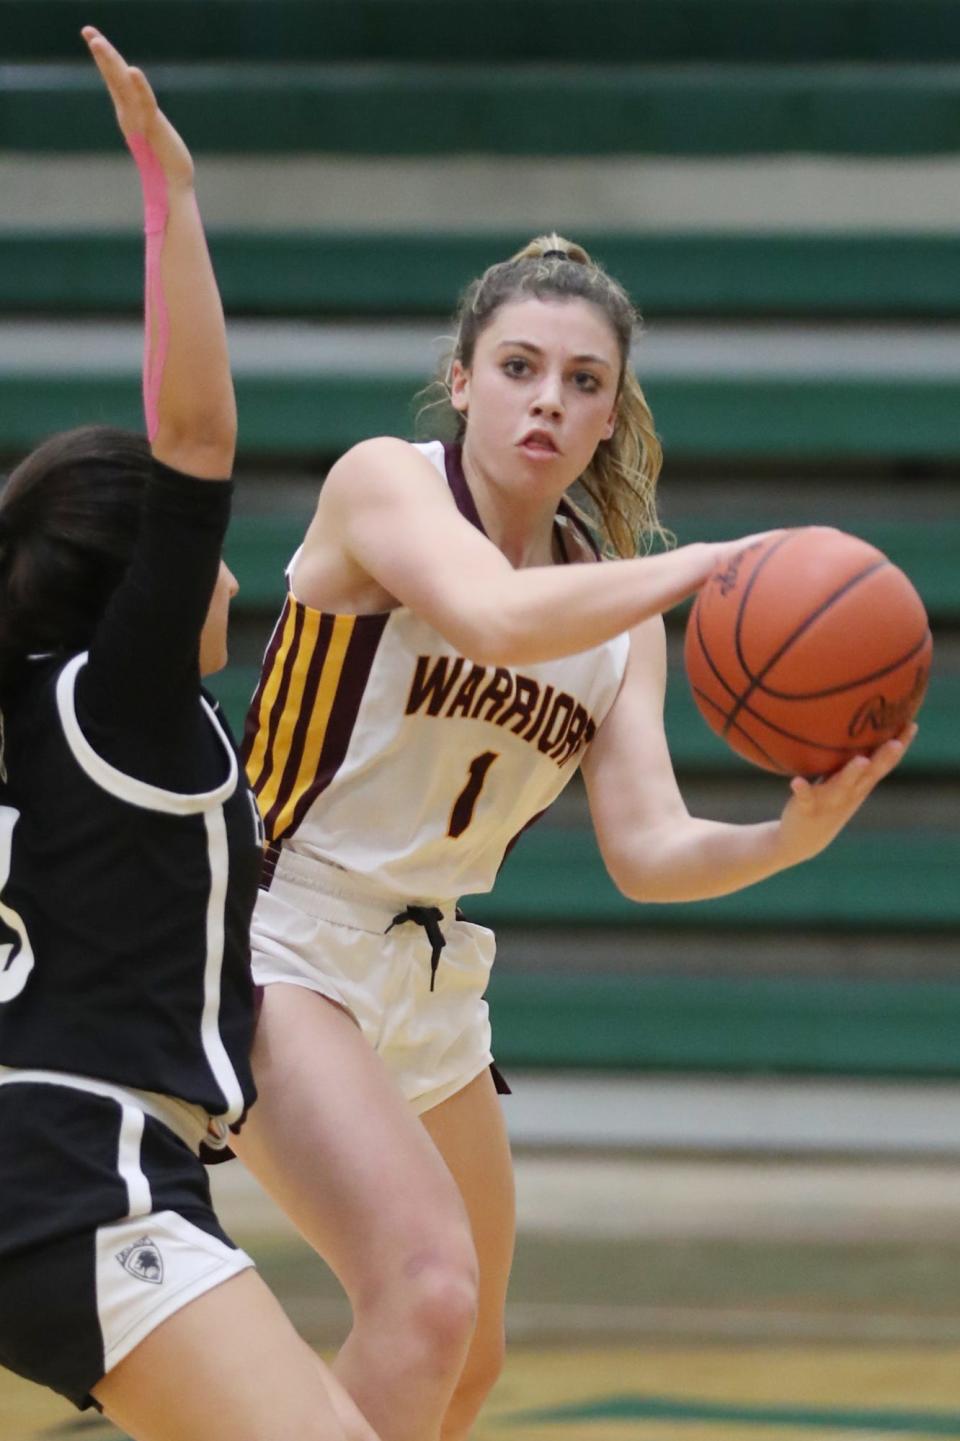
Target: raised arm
[[138, 694], [652, 847], [188, 393]]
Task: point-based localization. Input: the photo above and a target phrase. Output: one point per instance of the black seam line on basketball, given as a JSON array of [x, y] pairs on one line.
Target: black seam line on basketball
[[814, 616], [781, 770], [848, 685], [755, 679], [805, 740], [703, 645], [815, 745], [789, 735], [708, 657], [747, 592]]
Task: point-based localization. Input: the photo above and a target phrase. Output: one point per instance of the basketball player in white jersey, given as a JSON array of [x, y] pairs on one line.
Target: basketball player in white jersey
[[450, 651], [130, 851]]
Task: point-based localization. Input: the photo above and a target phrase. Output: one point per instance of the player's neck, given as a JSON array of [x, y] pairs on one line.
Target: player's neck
[[519, 525]]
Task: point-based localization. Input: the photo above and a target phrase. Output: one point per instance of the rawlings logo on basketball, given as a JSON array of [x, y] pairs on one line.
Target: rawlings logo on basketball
[[877, 714], [143, 1260]]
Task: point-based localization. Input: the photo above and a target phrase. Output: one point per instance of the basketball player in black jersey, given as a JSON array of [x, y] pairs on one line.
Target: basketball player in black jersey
[[129, 857]]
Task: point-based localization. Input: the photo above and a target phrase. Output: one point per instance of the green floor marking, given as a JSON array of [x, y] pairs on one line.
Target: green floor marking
[[652, 1408]]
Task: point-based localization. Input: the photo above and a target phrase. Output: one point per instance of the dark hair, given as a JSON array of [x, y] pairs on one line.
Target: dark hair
[[620, 481], [69, 518]]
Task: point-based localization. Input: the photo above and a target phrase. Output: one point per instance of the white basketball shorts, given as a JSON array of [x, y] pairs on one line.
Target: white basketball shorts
[[323, 929]]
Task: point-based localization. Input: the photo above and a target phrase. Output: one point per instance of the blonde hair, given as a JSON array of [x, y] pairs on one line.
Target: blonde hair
[[620, 481]]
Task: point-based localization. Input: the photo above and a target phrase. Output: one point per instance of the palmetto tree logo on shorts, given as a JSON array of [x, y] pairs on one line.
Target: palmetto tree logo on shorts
[[143, 1259]]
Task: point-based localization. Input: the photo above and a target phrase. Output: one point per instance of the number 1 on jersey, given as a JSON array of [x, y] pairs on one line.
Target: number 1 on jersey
[[463, 807]]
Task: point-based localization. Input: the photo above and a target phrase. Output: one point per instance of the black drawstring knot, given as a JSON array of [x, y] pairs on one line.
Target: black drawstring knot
[[429, 917]]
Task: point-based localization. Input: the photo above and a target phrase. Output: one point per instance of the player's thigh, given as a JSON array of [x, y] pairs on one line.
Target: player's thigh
[[228, 1366], [338, 1147], [470, 1134]]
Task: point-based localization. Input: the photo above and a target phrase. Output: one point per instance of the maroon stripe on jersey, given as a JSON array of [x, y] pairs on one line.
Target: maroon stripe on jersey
[[357, 664], [298, 740], [566, 509], [276, 714], [271, 855], [467, 506], [459, 489], [250, 724]]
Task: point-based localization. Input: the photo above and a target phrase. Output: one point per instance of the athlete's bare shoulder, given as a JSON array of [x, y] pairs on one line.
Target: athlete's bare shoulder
[[380, 467], [372, 494]]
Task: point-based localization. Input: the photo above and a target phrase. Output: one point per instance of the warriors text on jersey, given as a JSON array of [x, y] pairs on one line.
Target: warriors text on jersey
[[129, 850], [373, 745]]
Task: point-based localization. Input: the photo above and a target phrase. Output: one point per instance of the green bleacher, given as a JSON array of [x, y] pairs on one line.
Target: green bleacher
[[634, 31], [499, 81], [417, 108], [835, 1027], [318, 415], [399, 274], [259, 546]]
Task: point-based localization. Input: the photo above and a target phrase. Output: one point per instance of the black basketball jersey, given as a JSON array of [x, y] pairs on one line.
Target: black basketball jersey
[[125, 901]]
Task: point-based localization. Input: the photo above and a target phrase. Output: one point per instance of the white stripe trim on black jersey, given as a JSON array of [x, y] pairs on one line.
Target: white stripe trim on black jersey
[[213, 1047], [132, 1117], [191, 1123], [154, 798], [118, 783], [139, 1197]]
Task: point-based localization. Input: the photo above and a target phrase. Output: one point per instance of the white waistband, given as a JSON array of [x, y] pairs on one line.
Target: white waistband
[[191, 1123], [328, 892]]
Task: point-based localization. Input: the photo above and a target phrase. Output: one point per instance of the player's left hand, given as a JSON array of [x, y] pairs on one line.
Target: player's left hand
[[818, 811], [138, 113]]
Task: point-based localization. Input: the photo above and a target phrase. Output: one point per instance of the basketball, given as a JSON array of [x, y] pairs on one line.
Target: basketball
[[805, 648]]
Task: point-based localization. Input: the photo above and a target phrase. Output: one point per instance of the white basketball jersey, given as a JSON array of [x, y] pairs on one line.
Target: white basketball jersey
[[372, 745]]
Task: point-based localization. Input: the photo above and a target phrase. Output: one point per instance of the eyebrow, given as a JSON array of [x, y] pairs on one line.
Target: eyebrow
[[578, 359]]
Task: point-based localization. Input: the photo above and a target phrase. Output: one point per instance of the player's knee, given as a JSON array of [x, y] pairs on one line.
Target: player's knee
[[443, 1307], [427, 1303]]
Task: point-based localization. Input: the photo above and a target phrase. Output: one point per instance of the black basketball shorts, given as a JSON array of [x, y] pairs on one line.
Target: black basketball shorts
[[106, 1229]]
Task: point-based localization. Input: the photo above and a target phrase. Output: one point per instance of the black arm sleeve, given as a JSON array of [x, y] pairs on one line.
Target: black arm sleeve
[[138, 697]]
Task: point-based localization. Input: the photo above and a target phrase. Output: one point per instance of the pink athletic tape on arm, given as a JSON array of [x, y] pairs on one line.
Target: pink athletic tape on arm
[[156, 321]]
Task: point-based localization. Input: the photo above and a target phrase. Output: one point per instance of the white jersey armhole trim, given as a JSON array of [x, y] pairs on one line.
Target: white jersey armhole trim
[[435, 452], [117, 782], [289, 570]]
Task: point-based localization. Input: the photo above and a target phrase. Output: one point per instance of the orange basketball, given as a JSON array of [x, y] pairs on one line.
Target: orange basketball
[[805, 648]]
